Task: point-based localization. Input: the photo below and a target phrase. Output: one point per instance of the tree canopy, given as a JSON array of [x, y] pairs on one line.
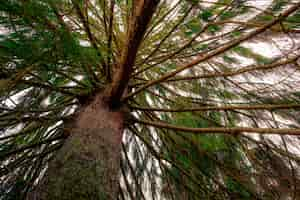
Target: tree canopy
[[212, 86]]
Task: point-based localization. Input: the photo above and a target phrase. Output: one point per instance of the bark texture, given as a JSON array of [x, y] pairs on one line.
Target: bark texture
[[142, 14], [87, 166]]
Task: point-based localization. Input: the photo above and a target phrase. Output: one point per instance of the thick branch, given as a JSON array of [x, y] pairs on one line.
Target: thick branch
[[142, 16], [109, 40]]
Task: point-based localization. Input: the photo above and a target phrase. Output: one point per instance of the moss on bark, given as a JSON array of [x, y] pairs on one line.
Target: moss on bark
[[87, 166]]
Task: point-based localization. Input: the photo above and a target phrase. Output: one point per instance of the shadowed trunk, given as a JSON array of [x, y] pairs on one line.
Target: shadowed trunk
[[87, 166]]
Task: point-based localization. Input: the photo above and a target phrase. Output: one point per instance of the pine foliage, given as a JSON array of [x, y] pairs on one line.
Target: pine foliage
[[214, 94]]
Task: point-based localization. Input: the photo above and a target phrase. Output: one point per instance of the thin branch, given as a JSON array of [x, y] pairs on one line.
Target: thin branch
[[221, 130], [92, 39], [223, 108], [166, 36], [50, 87], [238, 71], [31, 146], [218, 51]]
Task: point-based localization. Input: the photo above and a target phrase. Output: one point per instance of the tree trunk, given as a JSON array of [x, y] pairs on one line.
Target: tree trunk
[[87, 166]]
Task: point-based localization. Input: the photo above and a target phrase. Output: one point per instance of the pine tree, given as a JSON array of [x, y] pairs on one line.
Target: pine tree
[[132, 99]]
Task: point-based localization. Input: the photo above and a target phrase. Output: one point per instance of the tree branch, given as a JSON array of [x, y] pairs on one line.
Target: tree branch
[[218, 51], [221, 130], [238, 71], [222, 108], [142, 16]]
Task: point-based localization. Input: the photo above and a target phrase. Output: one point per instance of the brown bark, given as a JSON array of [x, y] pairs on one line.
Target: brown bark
[[222, 108], [220, 130], [87, 166], [143, 11]]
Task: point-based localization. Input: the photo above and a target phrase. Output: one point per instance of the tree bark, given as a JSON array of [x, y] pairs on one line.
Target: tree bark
[[142, 14], [87, 166]]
